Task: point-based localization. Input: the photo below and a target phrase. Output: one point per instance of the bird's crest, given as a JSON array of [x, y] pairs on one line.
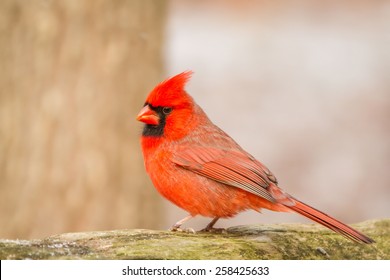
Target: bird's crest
[[171, 91]]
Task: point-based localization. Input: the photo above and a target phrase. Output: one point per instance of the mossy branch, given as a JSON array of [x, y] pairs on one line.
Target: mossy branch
[[285, 241]]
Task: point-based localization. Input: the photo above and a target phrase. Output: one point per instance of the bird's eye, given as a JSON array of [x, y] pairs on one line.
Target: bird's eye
[[167, 110]]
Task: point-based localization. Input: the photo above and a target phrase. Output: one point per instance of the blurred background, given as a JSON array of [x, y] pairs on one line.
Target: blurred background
[[303, 86]]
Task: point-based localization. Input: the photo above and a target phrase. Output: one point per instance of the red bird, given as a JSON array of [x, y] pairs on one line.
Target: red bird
[[201, 169]]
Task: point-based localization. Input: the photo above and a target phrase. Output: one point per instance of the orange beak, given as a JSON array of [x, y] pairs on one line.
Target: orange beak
[[148, 116]]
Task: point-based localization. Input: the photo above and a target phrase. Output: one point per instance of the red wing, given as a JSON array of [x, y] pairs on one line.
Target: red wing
[[231, 167]]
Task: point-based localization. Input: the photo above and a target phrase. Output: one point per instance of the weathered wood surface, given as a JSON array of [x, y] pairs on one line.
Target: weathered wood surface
[[285, 241]]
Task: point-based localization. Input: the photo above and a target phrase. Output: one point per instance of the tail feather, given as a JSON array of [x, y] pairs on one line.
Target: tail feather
[[329, 222]]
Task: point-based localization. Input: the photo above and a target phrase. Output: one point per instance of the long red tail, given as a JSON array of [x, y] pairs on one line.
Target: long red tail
[[329, 222]]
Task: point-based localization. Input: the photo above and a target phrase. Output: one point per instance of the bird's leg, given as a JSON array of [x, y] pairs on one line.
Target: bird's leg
[[178, 224], [210, 227], [211, 224]]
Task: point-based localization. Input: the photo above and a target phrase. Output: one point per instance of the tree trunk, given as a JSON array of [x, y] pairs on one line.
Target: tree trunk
[[73, 75]]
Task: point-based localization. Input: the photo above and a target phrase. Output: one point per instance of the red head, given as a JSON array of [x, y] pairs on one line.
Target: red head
[[168, 109]]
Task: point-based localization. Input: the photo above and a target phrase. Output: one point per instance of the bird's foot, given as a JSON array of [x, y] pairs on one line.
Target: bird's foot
[[214, 230], [210, 227], [179, 229], [177, 226]]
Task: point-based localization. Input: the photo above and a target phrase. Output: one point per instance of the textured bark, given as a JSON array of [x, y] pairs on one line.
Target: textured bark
[[73, 75], [293, 241]]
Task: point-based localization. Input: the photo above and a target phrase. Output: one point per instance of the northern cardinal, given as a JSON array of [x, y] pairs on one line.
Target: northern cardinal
[[201, 169]]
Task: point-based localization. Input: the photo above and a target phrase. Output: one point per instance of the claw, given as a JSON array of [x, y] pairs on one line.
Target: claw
[[176, 227], [186, 230], [214, 230]]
